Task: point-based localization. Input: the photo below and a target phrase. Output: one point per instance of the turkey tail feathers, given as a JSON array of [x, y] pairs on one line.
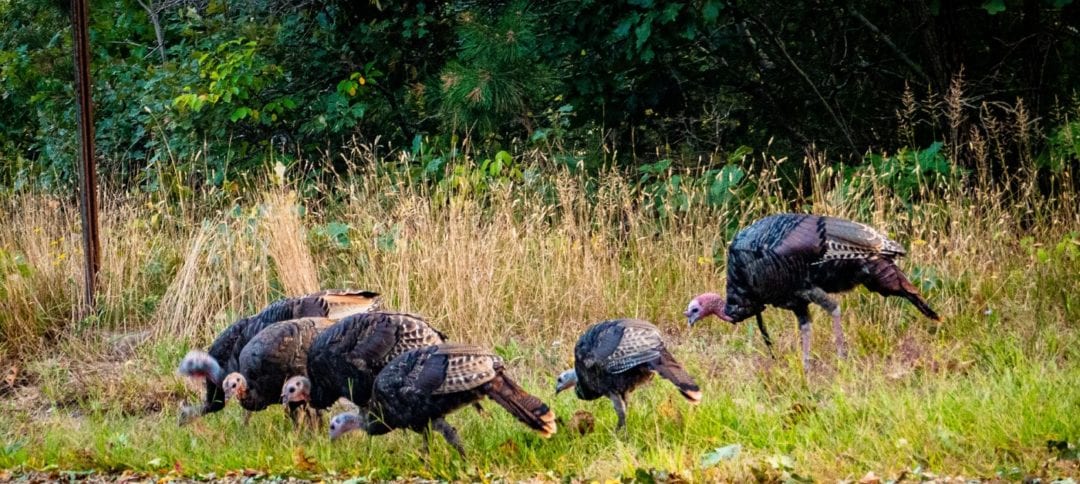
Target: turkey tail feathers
[[672, 371], [340, 304], [887, 279], [921, 304], [526, 408]]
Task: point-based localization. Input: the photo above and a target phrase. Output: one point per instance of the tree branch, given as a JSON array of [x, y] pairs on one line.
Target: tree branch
[[884, 38], [828, 107], [154, 19]]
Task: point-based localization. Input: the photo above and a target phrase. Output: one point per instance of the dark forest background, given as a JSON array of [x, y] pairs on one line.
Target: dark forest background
[[204, 92]]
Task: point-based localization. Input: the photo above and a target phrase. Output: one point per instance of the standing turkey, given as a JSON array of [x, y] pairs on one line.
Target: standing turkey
[[612, 358], [418, 388], [276, 353], [790, 261], [344, 359], [331, 303]]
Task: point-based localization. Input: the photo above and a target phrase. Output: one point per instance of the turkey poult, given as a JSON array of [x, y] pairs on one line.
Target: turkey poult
[[612, 358], [344, 359], [273, 355], [331, 303], [418, 388], [790, 261]]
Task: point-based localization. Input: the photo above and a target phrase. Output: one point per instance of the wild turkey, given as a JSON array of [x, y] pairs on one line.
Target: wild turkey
[[612, 358], [418, 388], [331, 303], [344, 359], [790, 261], [273, 355]]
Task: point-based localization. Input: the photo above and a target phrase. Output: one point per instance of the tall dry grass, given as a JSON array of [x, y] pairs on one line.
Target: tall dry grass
[[524, 260], [521, 265]]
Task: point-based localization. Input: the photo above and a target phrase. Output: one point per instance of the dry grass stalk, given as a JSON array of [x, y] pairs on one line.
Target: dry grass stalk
[[189, 295], [286, 242]]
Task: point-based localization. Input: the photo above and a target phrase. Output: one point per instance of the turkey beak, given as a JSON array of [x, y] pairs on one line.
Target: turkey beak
[[285, 399], [690, 319]]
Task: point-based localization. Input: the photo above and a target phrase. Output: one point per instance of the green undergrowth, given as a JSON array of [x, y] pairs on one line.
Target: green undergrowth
[[985, 408], [990, 392]]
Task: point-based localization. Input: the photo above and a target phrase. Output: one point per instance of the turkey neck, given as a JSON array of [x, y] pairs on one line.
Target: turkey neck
[[374, 424], [251, 399], [716, 306]]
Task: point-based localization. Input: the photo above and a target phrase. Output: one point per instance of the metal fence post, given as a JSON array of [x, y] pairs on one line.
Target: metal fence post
[[88, 204]]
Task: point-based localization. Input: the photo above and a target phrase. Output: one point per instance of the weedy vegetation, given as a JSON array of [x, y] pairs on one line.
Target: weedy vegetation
[[496, 253]]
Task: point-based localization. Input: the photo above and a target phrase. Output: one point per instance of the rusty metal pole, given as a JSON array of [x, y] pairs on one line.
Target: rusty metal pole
[[88, 207]]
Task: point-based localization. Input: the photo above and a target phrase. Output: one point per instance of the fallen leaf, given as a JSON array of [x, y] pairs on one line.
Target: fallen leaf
[[509, 447], [870, 478], [583, 422], [11, 376], [302, 462], [718, 454]]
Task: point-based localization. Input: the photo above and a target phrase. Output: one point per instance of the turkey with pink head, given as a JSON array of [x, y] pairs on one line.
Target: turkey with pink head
[[226, 348], [791, 261], [272, 355]]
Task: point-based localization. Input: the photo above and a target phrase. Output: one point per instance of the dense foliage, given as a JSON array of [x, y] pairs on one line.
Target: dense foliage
[[190, 92]]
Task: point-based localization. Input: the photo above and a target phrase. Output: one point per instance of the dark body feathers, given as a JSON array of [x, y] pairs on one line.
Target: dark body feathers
[[421, 386], [344, 359], [612, 358], [276, 353], [226, 348], [790, 261]]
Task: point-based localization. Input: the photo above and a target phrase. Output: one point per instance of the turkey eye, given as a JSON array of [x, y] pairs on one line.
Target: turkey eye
[[694, 310]]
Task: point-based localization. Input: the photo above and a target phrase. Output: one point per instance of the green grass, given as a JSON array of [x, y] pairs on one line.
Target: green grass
[[978, 395], [993, 416]]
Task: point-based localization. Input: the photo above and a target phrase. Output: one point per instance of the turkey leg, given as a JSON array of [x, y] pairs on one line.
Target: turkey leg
[[450, 434], [821, 298], [620, 409], [765, 335], [803, 314]]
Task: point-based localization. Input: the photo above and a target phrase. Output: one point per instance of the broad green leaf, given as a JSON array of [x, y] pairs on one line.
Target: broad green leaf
[[994, 7], [719, 454], [711, 10], [239, 113]]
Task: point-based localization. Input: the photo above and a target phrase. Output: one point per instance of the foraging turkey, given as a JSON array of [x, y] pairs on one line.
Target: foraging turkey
[[614, 357], [331, 303], [276, 353], [418, 388], [790, 261], [344, 359]]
